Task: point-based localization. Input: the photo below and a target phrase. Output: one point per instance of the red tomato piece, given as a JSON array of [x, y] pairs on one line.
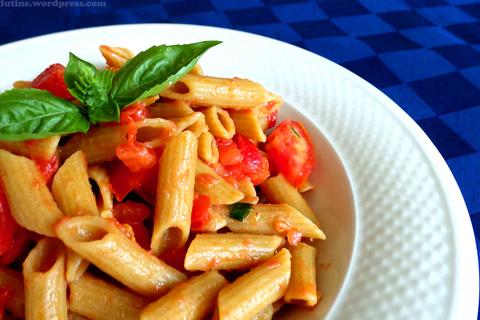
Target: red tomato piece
[[51, 79], [7, 224], [122, 180], [6, 293], [135, 155], [272, 119], [253, 166], [136, 112], [289, 146], [228, 152], [133, 213], [47, 167], [200, 215], [175, 258]]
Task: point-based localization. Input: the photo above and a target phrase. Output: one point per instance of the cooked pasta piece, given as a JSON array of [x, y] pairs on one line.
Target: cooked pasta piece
[[279, 190], [14, 279], [207, 148], [256, 290], [190, 300], [173, 208], [45, 281], [194, 122], [209, 183], [216, 222], [170, 109], [99, 174], [279, 219], [29, 198], [265, 314], [302, 289], [97, 299], [104, 244], [221, 92], [230, 251], [116, 56], [71, 188], [219, 122], [42, 148], [307, 186], [248, 124]]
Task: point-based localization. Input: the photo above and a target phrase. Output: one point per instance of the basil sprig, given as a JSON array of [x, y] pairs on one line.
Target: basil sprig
[[36, 114]]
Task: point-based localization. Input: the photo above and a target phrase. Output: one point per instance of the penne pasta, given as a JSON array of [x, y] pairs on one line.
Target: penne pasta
[[248, 124], [279, 190], [194, 122], [219, 122], [207, 148], [99, 174], [221, 92], [45, 282], [97, 299], [208, 182], [230, 251], [256, 290], [170, 109], [30, 201], [175, 194], [116, 56], [190, 300], [104, 244], [43, 148], [278, 219], [302, 289]]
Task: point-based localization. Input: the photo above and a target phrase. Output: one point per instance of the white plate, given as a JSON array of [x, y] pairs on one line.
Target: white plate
[[400, 243]]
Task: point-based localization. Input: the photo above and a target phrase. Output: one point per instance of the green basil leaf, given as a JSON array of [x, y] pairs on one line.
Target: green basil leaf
[[91, 88], [239, 211], [36, 114], [147, 73]]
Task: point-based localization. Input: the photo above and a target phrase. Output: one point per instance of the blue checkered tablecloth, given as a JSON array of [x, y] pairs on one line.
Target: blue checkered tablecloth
[[423, 54]]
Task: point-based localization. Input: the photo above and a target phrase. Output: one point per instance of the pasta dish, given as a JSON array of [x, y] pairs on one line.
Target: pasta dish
[[151, 190]]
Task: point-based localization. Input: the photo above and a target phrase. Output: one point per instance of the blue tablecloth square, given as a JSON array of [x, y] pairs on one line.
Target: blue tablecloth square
[[277, 31], [412, 65], [374, 71], [472, 9], [446, 15], [277, 2], [465, 169], [461, 2], [465, 124], [342, 8], [384, 6], [93, 20], [315, 29], [469, 32], [462, 56], [472, 75], [236, 5], [448, 143], [401, 20], [431, 36], [131, 4], [339, 49], [151, 13], [299, 12], [387, 42], [186, 7], [212, 18], [251, 16], [447, 93], [362, 25], [425, 3], [412, 104]]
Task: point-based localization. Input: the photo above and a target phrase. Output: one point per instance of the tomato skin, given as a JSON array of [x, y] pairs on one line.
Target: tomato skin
[[289, 146], [7, 224], [200, 215], [133, 213], [47, 167], [51, 79], [251, 165]]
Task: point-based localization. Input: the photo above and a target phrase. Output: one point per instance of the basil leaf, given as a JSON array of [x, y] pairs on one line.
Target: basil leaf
[[147, 73], [91, 88], [37, 114], [239, 211]]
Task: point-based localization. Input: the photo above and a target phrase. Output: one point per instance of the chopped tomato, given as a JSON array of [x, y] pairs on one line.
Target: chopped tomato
[[51, 79], [200, 215], [289, 146], [228, 152], [135, 155], [252, 165], [7, 224], [47, 167], [122, 180], [272, 119], [133, 213], [136, 112]]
